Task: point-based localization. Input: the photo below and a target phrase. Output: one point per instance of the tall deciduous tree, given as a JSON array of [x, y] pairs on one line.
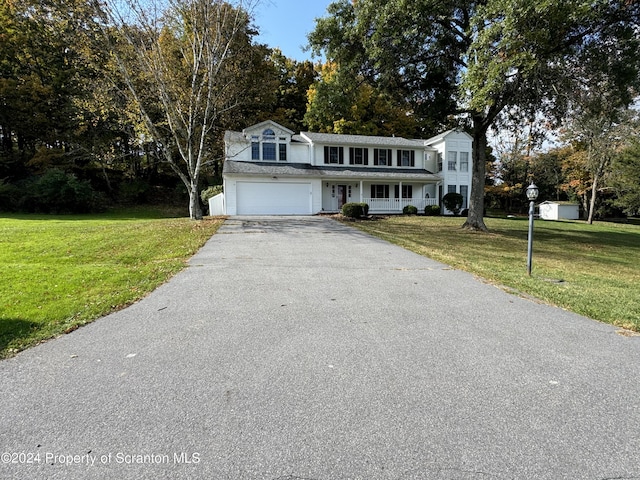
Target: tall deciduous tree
[[181, 61], [599, 133], [626, 178], [342, 104], [475, 59]]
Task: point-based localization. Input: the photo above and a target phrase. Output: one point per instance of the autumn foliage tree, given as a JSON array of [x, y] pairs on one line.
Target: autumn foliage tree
[[181, 62], [473, 60]]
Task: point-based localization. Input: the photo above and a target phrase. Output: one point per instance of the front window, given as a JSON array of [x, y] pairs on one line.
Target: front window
[[255, 147], [407, 191], [358, 156], [269, 151], [333, 155], [406, 158], [439, 162], [379, 191], [267, 148], [381, 156]]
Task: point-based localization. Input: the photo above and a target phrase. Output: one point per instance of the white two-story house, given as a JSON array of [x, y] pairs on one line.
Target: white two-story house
[[269, 170]]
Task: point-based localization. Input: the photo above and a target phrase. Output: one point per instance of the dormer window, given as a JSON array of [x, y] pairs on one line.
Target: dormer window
[[265, 147]]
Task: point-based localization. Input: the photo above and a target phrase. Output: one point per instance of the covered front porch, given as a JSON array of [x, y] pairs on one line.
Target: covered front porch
[[382, 197]]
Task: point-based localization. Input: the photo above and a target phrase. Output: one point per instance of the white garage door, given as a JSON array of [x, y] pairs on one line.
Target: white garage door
[[281, 198]]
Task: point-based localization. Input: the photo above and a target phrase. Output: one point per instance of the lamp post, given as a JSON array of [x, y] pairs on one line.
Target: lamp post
[[532, 194]]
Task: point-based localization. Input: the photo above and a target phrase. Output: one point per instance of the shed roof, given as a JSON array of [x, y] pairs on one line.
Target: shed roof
[[564, 203]]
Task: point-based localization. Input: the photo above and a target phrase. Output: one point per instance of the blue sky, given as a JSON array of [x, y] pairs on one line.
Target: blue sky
[[286, 23]]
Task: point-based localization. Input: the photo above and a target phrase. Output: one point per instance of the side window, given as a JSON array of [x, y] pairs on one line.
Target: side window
[[452, 161], [464, 162], [464, 191]]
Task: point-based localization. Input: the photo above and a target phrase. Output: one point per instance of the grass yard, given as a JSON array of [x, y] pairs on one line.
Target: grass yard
[[593, 270], [60, 272]]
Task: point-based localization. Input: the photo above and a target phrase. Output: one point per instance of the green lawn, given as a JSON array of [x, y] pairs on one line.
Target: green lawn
[[593, 270], [59, 272]]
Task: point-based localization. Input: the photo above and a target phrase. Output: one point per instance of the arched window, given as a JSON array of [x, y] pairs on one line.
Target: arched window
[[269, 145], [268, 148]]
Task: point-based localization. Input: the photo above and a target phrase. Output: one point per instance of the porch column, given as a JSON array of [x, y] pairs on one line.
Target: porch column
[[361, 193], [400, 199]]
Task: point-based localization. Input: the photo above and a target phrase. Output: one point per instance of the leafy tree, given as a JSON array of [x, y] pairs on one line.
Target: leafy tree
[[341, 104], [626, 178], [476, 59], [599, 131], [293, 81], [183, 68]]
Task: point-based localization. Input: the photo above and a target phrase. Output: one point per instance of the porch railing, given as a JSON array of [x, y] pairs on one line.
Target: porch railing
[[395, 205], [391, 205]]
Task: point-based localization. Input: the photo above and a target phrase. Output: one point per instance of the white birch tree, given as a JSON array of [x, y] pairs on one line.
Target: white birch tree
[[179, 63]]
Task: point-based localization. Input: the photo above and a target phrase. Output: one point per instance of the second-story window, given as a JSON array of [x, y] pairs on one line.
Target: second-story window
[[255, 147], [439, 162], [282, 153], [381, 156], [452, 160], [268, 145], [464, 162], [358, 156], [333, 155], [406, 158], [265, 147]]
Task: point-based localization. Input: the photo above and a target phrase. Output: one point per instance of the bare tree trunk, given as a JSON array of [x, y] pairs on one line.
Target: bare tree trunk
[[475, 219], [592, 202], [195, 210]]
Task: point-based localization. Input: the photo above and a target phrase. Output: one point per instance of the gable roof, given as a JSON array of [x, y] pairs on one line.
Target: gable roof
[[265, 124], [443, 135]]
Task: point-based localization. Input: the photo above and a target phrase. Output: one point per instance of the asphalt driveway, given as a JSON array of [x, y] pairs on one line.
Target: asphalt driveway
[[299, 348]]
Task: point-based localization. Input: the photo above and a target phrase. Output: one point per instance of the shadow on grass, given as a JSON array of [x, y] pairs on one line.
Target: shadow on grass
[[569, 233], [121, 213], [12, 329]]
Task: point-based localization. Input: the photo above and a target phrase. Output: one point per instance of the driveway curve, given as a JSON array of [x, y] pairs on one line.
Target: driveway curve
[[299, 348]]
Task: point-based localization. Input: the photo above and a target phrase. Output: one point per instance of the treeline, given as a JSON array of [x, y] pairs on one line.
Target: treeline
[[127, 101], [73, 139]]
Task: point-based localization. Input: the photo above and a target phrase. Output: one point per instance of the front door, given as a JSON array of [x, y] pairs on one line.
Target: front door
[[342, 196]]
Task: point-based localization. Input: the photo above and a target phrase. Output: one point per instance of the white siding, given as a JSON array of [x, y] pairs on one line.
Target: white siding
[[287, 196]]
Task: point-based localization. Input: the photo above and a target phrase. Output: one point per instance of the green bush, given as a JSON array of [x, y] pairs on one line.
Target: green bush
[[352, 210], [453, 202], [58, 192], [432, 210], [134, 191], [365, 208], [410, 210], [9, 197], [209, 192]]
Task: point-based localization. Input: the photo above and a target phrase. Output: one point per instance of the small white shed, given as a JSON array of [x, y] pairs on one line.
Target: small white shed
[[559, 210]]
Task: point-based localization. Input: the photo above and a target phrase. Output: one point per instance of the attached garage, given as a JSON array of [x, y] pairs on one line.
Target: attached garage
[[273, 198]]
